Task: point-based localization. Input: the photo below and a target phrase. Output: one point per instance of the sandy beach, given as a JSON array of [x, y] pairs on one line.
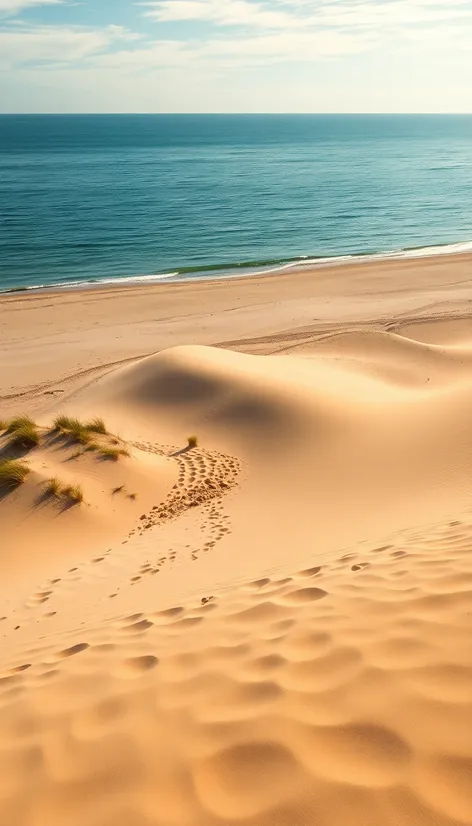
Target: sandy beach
[[272, 626]]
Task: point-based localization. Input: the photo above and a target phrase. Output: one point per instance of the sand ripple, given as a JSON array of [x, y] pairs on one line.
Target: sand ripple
[[331, 705]]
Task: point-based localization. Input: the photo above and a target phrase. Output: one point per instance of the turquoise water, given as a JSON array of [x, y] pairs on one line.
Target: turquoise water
[[98, 198]]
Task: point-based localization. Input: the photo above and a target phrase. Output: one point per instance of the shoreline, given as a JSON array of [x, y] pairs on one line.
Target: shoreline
[[252, 270]]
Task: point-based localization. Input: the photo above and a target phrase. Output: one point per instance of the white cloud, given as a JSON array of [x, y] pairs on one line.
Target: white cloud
[[55, 44], [222, 12], [254, 32], [246, 55], [345, 14], [232, 54], [397, 13], [17, 6]]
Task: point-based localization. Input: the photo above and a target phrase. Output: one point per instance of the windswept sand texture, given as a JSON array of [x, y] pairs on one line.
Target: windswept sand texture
[[277, 629]]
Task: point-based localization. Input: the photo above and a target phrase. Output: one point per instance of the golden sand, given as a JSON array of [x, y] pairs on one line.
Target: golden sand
[[272, 628]]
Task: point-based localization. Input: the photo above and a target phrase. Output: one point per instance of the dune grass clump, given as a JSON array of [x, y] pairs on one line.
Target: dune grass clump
[[72, 428], [61, 423], [113, 453], [97, 425], [73, 493], [192, 441], [13, 472], [52, 487], [3, 425], [23, 432], [91, 447], [19, 422]]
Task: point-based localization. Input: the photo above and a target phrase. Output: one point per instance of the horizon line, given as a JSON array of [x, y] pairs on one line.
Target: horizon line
[[239, 114]]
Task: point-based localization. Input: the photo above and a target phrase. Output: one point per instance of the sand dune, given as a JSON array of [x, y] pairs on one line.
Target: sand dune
[[277, 631], [330, 423], [38, 528]]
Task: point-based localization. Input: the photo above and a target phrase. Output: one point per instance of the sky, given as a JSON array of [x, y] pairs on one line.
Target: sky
[[235, 56]]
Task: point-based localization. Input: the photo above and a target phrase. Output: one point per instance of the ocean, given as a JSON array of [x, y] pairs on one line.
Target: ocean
[[99, 198]]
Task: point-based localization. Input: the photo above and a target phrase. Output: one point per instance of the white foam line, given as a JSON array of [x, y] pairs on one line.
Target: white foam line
[[421, 252]]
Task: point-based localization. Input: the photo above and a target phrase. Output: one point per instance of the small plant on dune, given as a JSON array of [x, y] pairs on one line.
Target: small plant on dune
[[97, 425], [113, 453], [73, 493], [52, 487], [72, 428], [91, 447], [117, 490], [3, 425], [192, 441], [82, 436], [61, 423], [25, 434], [18, 422], [132, 496], [77, 454], [13, 472]]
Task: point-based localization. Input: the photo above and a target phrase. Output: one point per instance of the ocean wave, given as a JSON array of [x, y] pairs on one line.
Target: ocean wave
[[95, 282], [252, 268]]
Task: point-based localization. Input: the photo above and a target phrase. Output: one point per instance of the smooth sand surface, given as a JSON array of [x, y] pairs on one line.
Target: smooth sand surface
[[273, 628]]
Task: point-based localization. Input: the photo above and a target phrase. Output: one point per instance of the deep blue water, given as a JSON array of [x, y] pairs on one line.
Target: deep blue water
[[90, 197]]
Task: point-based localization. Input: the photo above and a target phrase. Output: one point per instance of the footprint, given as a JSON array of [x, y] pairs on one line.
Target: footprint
[[74, 649], [138, 627], [310, 571], [20, 668], [137, 665]]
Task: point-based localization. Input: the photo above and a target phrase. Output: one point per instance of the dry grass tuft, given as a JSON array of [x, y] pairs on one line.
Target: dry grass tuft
[[118, 489], [61, 423], [192, 441], [91, 447], [73, 493], [52, 487], [3, 425], [13, 472], [72, 428], [113, 453], [97, 425], [18, 422], [23, 433]]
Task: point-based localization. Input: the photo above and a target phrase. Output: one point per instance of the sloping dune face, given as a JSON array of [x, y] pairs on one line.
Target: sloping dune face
[[362, 430], [283, 636]]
